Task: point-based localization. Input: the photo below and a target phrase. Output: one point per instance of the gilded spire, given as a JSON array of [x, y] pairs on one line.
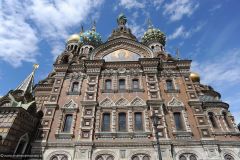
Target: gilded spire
[[94, 26], [82, 30], [27, 84], [150, 25], [177, 53]]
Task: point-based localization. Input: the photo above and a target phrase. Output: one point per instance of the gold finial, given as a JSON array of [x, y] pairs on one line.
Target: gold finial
[[94, 25], [82, 30], [177, 54], [35, 66], [150, 25]]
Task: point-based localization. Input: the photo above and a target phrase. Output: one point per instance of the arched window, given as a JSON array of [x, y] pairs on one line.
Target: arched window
[[138, 121], [212, 119], [135, 158], [169, 84], [122, 121], [54, 158], [146, 158], [193, 157], [110, 158], [135, 84], [121, 84], [108, 84], [106, 122], [64, 157], [105, 157], [65, 60], [75, 86], [67, 123], [226, 120], [178, 121], [182, 157], [228, 157], [21, 146]]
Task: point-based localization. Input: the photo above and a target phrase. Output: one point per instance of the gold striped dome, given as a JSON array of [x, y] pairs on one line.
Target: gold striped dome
[[195, 77], [74, 37]]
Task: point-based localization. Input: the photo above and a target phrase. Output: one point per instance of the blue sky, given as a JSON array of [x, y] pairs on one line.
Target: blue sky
[[206, 31]]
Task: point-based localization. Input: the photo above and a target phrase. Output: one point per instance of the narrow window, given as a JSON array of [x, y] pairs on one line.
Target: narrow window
[[121, 84], [108, 84], [122, 122], [138, 121], [106, 122], [226, 119], [169, 85], [212, 119], [75, 86], [178, 121], [135, 84], [20, 147], [67, 123]]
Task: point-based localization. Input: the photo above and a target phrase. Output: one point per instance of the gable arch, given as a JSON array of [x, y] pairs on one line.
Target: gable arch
[[121, 43]]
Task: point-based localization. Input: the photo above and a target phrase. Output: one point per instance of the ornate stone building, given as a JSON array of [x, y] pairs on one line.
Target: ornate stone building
[[99, 100]]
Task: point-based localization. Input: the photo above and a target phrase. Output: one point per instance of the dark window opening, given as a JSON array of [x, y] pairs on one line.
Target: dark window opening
[[75, 86], [106, 122], [178, 121], [121, 84], [212, 119], [169, 85], [226, 119], [135, 84], [67, 123], [108, 84], [122, 122], [138, 121]]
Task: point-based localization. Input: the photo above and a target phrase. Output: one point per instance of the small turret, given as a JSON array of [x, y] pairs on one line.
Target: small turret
[[154, 38]]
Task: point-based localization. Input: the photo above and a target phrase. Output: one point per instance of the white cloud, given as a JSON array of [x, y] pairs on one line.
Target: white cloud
[[179, 8], [136, 29], [54, 18], [215, 7], [18, 40], [181, 32], [220, 70], [157, 3], [129, 4], [24, 23]]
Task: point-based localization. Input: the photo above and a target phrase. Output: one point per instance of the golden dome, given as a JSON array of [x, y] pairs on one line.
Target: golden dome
[[195, 77], [74, 37]]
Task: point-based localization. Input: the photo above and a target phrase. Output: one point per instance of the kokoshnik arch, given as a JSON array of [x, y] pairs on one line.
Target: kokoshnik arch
[[98, 101]]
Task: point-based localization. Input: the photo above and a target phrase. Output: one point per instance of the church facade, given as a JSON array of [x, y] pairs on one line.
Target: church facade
[[123, 100]]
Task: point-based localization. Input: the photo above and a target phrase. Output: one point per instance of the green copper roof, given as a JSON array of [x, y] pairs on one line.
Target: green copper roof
[[154, 35]]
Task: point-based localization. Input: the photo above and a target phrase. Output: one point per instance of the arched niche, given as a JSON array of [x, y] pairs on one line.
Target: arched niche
[[129, 46]]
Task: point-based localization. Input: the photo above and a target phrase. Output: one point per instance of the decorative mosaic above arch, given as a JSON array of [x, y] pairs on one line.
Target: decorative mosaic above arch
[[121, 50]]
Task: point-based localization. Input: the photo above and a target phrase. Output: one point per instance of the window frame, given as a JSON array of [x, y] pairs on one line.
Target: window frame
[[103, 127], [135, 121]]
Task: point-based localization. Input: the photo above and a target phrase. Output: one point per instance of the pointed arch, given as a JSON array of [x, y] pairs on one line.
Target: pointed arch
[[122, 102], [107, 102], [22, 144], [70, 105], [137, 102], [175, 102]]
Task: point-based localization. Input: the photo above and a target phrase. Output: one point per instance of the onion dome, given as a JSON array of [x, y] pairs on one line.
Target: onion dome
[[74, 38], [195, 77], [153, 35], [90, 37]]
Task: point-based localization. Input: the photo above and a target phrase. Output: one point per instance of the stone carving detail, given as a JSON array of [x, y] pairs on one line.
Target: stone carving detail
[[70, 105], [137, 102], [122, 102], [107, 103], [175, 102]]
